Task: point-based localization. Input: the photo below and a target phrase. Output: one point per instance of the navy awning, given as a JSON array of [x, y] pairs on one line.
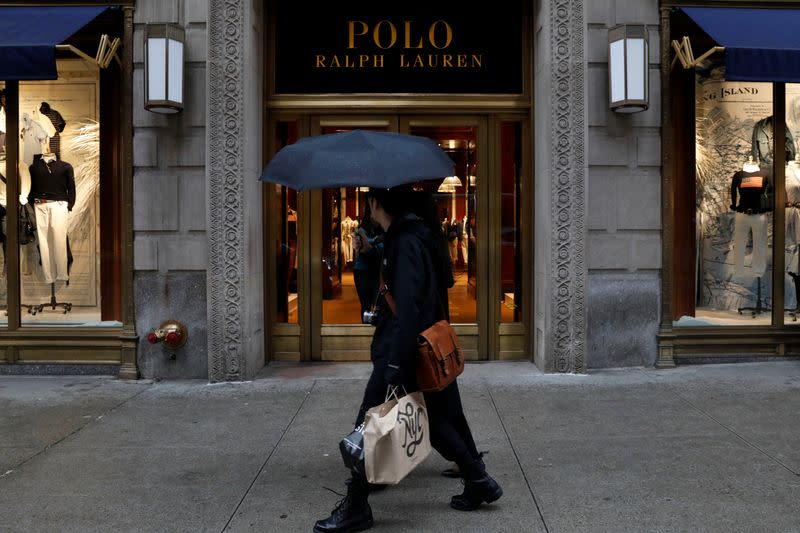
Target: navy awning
[[28, 36], [760, 44]]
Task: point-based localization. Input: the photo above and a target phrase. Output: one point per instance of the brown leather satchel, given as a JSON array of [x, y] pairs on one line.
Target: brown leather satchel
[[439, 358]]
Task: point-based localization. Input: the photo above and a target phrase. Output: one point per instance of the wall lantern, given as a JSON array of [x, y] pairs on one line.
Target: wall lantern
[[628, 72], [163, 68]]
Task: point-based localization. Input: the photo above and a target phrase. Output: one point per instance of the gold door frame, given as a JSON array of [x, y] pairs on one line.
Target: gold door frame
[[488, 338]]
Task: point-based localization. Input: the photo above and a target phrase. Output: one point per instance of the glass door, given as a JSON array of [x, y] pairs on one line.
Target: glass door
[[339, 288], [484, 214]]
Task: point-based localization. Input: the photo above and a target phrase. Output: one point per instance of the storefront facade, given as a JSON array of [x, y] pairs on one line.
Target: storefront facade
[[559, 219]]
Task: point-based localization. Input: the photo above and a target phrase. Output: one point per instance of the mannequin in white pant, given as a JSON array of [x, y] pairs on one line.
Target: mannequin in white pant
[[749, 187], [53, 195]]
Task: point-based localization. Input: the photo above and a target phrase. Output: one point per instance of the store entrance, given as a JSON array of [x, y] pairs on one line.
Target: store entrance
[[317, 312]]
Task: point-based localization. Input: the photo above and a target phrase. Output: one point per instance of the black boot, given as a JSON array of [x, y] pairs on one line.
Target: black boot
[[353, 513], [479, 487]]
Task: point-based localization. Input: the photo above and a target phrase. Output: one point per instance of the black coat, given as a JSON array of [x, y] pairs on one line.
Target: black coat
[[410, 275]]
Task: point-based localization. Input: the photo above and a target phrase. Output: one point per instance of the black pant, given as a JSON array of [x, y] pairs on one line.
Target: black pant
[[366, 282], [449, 431]]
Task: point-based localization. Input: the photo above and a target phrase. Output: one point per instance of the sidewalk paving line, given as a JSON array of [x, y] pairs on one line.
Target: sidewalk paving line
[[272, 451], [516, 456]]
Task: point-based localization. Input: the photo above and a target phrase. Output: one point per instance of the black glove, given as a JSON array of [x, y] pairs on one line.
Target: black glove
[[393, 375]]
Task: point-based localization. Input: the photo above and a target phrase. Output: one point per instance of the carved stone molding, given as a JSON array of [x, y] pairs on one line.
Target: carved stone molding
[[226, 231], [568, 259]]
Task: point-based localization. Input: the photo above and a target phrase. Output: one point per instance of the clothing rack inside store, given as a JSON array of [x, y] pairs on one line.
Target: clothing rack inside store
[[759, 308], [53, 303]]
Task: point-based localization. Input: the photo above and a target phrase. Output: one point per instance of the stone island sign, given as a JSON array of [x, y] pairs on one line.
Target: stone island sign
[[416, 49]]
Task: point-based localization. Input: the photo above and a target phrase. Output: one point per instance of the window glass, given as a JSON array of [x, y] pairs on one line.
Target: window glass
[[734, 204], [3, 224], [284, 209], [510, 213], [60, 186], [456, 207], [791, 281]]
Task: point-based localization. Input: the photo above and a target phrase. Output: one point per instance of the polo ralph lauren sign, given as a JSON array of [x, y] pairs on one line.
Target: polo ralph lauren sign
[[361, 47]]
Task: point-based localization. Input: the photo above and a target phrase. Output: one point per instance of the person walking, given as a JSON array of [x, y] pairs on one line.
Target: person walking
[[410, 273], [368, 247]]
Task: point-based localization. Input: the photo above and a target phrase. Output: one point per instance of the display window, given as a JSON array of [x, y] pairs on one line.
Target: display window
[[732, 186], [65, 190]]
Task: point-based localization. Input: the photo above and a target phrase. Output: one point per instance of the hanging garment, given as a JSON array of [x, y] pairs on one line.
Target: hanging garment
[[33, 135], [761, 147], [743, 227], [793, 199], [464, 239], [2, 120]]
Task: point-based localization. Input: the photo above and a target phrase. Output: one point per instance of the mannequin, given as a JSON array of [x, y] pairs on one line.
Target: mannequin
[[747, 190], [792, 246], [763, 134], [53, 196], [452, 239], [347, 239], [462, 238]]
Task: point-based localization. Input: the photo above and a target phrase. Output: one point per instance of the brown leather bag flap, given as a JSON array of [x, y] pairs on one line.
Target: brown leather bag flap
[[442, 339]]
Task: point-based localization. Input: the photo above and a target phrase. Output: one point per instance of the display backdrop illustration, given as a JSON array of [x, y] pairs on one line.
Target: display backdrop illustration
[[727, 114]]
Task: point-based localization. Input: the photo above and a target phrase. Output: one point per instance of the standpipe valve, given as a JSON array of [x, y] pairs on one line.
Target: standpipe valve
[[172, 333]]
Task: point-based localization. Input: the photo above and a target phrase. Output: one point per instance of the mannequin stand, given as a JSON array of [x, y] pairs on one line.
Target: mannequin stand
[[759, 308], [53, 304]]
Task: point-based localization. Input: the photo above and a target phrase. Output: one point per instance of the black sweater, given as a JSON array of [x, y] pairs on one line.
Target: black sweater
[[749, 186], [410, 274], [52, 181]]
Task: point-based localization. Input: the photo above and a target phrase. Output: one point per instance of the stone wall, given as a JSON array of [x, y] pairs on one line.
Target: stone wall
[[624, 200], [169, 182]]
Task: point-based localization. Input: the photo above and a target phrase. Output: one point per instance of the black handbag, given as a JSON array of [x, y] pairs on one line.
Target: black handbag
[[352, 449], [27, 224]]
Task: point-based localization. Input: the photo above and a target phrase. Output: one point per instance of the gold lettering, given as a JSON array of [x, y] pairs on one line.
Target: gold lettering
[[378, 60], [433, 60], [348, 63], [418, 62], [448, 33], [477, 60], [335, 62], [320, 61], [351, 31], [462, 60], [447, 60], [408, 46], [377, 31], [403, 62], [363, 58]]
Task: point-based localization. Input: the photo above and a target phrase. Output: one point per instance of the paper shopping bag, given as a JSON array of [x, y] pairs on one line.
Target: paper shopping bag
[[396, 438]]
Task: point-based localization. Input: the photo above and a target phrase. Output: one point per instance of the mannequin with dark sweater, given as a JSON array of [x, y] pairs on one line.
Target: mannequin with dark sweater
[[53, 196]]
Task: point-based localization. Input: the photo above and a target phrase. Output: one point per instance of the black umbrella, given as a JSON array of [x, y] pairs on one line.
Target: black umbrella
[[357, 158]]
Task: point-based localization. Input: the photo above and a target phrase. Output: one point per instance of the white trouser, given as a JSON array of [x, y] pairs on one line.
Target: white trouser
[[453, 251], [464, 248], [743, 226], [51, 231]]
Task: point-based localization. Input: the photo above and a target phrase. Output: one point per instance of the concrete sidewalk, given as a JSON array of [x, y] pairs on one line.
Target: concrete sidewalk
[[702, 448]]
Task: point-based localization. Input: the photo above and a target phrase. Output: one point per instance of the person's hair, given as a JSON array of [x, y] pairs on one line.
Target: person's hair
[[424, 206], [396, 201]]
